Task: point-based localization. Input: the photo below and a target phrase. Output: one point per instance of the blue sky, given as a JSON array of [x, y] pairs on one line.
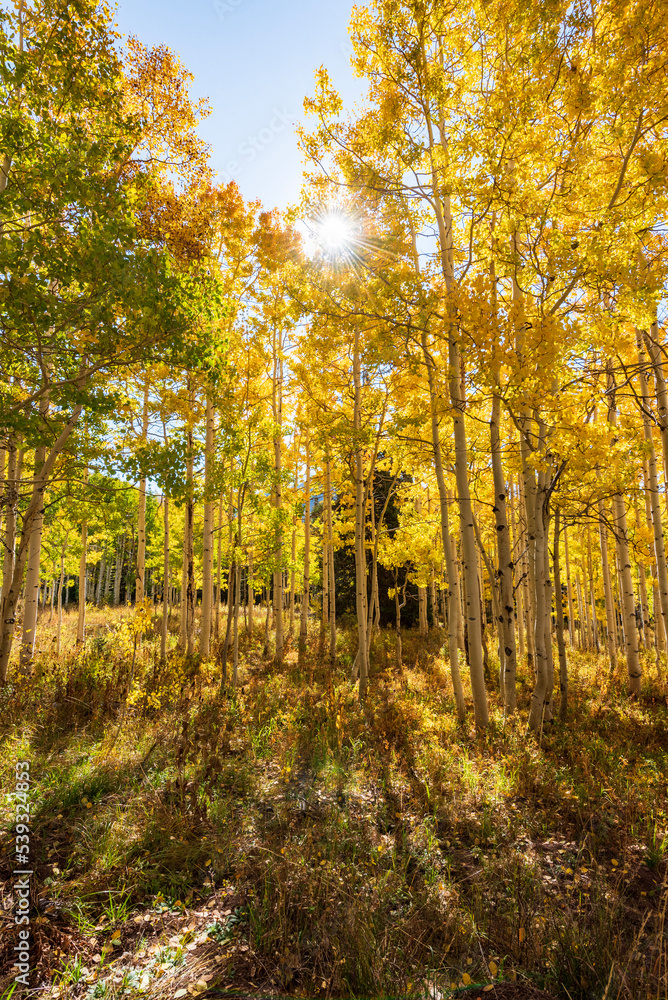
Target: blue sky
[[254, 60]]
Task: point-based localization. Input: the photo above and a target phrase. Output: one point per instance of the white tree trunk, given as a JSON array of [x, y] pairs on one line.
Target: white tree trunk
[[207, 540], [141, 513], [611, 640], [165, 581], [31, 602], [506, 601], [306, 585], [360, 523]]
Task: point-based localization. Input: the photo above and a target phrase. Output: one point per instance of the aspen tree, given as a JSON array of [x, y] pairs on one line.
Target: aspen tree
[[642, 589], [330, 559], [653, 491], [118, 568], [219, 565], [505, 570], [306, 585], [611, 640], [627, 594], [592, 592], [559, 608], [32, 579], [207, 554], [277, 409], [422, 590], [517, 588], [59, 624], [141, 510], [165, 580], [188, 547], [569, 585], [360, 523]]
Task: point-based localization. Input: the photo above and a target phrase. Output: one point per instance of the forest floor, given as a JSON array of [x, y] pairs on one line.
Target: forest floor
[[280, 840]]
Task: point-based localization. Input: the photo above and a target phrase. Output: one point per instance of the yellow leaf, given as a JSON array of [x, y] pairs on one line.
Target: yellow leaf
[[486, 989], [207, 863], [523, 934], [466, 979], [493, 968]]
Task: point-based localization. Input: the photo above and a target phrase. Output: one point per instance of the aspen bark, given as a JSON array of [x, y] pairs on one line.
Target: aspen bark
[[118, 570], [235, 647], [592, 592], [100, 581], [652, 490], [611, 639], [251, 589], [642, 589], [324, 620], [81, 619], [183, 621], [293, 556], [517, 586], [589, 646], [141, 512], [59, 624], [653, 344], [455, 629], [306, 585], [469, 559], [14, 470], [219, 566], [32, 579], [442, 206], [569, 588], [622, 545], [189, 550], [423, 628], [559, 605], [277, 407], [534, 498], [547, 710], [330, 557], [207, 540], [506, 621], [360, 521], [231, 586], [527, 580], [165, 580]]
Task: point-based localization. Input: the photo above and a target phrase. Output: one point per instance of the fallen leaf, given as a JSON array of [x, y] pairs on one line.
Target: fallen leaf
[[466, 979], [487, 988], [523, 934], [493, 968], [180, 993]]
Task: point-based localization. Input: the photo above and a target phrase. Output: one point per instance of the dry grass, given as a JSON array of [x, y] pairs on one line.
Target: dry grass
[[360, 853]]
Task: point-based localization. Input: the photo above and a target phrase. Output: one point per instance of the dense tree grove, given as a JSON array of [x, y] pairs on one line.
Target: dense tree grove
[[441, 395], [335, 581]]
